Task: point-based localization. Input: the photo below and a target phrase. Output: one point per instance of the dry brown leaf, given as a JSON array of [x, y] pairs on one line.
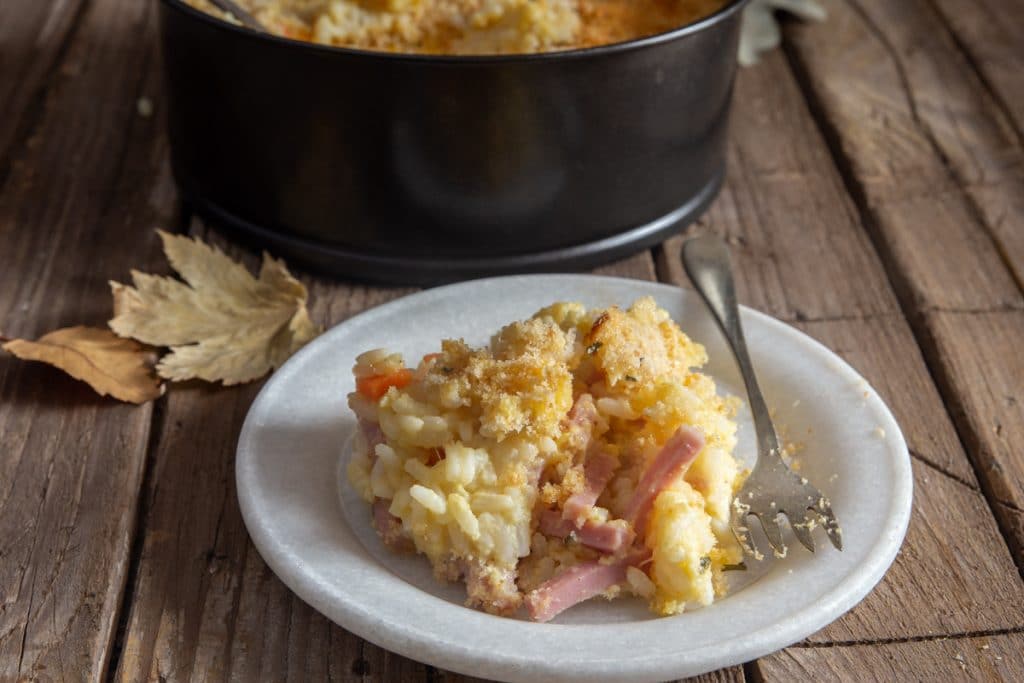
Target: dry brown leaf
[[222, 323], [109, 364]]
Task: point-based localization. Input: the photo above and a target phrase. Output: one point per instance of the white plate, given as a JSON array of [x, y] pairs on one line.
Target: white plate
[[322, 547]]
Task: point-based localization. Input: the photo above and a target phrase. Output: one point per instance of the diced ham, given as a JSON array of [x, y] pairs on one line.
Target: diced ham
[[673, 459], [553, 524], [609, 537], [575, 585], [597, 472]]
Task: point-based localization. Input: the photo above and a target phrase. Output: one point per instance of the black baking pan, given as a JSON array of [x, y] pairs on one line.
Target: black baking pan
[[421, 168]]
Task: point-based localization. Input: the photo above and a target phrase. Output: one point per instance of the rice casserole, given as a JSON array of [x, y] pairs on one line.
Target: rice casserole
[[580, 454], [470, 26]]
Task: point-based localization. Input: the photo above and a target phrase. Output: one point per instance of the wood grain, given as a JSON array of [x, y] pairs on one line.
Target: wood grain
[[983, 658], [987, 31], [71, 463], [794, 232], [638, 267], [910, 113], [775, 267], [990, 389], [938, 163], [33, 36]]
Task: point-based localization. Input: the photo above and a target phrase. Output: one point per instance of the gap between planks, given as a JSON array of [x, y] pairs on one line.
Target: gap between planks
[[915, 639], [137, 536], [960, 480], [124, 608]]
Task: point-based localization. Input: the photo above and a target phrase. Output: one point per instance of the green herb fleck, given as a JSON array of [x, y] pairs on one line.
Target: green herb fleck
[[592, 349], [705, 564], [446, 370], [741, 567], [630, 378]]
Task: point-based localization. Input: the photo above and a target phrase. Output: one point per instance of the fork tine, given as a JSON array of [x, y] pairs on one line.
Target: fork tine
[[835, 534], [742, 533], [770, 524], [802, 531], [828, 520]]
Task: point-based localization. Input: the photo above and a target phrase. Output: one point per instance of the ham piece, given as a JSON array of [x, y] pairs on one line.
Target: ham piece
[[673, 459], [576, 584], [609, 537], [597, 472], [553, 524]]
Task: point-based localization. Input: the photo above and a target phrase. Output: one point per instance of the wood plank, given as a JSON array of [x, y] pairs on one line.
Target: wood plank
[[794, 232], [983, 658], [638, 267], [72, 462], [938, 161], [33, 37], [987, 30], [733, 674], [990, 385], [770, 251], [900, 104]]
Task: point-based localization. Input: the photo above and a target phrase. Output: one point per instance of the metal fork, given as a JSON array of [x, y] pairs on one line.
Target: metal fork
[[772, 489]]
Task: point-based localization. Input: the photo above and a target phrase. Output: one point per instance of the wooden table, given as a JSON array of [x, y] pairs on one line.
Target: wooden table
[[875, 200]]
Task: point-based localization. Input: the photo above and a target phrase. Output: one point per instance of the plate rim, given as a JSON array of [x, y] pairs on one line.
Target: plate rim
[[837, 600]]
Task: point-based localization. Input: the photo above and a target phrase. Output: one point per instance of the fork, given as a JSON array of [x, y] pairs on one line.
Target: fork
[[772, 489]]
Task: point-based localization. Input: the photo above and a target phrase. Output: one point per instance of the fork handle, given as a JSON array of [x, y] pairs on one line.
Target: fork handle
[[706, 260]]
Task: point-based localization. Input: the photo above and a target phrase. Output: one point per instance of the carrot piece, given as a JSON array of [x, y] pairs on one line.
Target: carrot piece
[[375, 386]]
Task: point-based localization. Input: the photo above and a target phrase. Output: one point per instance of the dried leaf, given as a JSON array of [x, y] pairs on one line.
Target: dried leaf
[[221, 323], [109, 364]]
